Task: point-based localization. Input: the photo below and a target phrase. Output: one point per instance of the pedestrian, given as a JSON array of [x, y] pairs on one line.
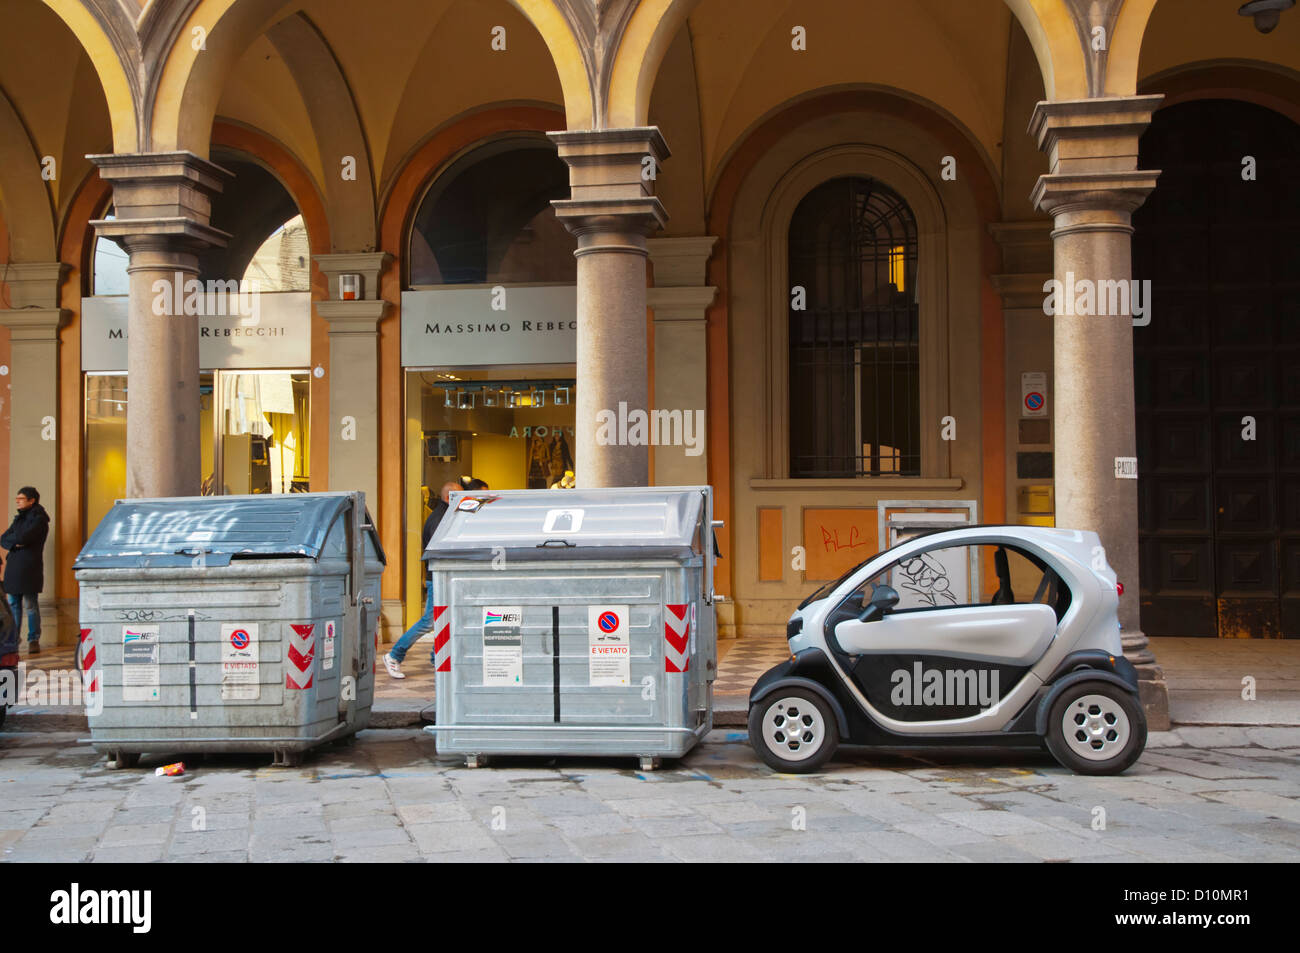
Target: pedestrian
[[24, 575], [393, 660]]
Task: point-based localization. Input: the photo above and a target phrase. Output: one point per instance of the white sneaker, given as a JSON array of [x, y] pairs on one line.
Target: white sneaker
[[394, 667]]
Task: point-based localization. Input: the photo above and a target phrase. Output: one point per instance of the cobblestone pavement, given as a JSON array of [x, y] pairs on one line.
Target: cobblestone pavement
[[1198, 794]]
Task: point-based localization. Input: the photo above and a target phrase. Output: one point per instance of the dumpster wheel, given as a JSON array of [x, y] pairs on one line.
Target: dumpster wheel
[[117, 760], [284, 758], [649, 763]]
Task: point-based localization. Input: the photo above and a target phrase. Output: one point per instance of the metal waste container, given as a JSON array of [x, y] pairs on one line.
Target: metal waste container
[[229, 623], [574, 622]]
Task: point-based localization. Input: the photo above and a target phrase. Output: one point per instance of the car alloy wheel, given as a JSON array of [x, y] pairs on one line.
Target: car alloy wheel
[[793, 728], [1095, 727]]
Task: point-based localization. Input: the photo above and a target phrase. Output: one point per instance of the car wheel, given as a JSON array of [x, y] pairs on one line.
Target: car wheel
[[793, 730], [1096, 728]]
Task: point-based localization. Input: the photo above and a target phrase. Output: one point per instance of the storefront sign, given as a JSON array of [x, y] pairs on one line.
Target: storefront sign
[[278, 335], [520, 324]]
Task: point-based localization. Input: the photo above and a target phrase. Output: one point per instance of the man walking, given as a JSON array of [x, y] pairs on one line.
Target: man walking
[[24, 575], [393, 660]]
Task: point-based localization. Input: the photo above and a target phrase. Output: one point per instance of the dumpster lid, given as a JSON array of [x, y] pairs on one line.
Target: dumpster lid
[[567, 524], [172, 531]]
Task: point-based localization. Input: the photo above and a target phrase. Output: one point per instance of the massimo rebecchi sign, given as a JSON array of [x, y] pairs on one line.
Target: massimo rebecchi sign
[[276, 334], [501, 324]]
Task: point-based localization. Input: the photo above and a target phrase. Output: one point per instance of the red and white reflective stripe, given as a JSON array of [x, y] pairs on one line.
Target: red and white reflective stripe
[[89, 675], [441, 640], [301, 656], [676, 638]]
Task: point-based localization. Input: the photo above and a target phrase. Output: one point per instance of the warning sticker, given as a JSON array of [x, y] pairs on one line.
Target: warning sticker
[[239, 673], [608, 650], [140, 663], [328, 650], [503, 646]]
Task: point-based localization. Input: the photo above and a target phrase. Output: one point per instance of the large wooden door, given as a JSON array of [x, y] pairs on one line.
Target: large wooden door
[[1217, 374]]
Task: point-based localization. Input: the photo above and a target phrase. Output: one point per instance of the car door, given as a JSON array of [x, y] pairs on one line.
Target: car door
[[958, 640]]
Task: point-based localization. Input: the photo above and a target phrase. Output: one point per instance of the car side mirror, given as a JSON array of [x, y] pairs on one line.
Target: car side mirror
[[883, 598]]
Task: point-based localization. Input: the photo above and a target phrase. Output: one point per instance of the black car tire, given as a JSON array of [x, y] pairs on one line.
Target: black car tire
[[762, 742], [1064, 749]]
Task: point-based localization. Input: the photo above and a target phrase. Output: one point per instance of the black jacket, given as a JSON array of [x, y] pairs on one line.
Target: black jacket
[[431, 524], [25, 538]]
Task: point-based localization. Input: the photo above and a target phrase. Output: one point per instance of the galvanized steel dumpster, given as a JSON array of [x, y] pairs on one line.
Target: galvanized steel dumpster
[[229, 623], [574, 622]]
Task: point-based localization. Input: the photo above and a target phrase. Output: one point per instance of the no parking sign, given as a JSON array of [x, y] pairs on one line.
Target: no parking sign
[[1033, 394]]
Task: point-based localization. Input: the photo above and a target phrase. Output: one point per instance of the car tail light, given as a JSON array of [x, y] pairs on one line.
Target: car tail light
[[1119, 588]]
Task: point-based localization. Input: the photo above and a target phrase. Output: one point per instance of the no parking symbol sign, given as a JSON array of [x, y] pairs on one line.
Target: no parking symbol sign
[[1033, 394]]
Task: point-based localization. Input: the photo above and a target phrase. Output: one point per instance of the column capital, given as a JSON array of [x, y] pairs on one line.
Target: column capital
[[352, 317], [1092, 135], [1090, 192], [34, 324], [33, 284], [369, 265], [680, 302], [681, 261], [611, 179], [161, 200]]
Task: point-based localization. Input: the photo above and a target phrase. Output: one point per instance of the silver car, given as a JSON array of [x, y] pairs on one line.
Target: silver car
[[983, 636]]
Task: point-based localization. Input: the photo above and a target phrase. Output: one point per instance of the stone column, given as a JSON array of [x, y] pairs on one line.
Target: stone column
[[1091, 191], [679, 299], [33, 322], [612, 211], [162, 205], [354, 385]]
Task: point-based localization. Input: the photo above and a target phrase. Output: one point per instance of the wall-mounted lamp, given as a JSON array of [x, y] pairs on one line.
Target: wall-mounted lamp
[[349, 287], [1265, 12]]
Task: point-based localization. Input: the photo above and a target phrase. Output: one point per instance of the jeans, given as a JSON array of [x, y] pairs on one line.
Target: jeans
[[422, 625], [16, 600]]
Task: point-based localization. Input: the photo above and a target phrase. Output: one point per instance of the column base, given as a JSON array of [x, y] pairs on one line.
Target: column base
[[1152, 688], [390, 621]]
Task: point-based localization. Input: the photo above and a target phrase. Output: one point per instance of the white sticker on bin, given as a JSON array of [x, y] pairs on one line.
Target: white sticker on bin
[[327, 655], [609, 651], [140, 681], [239, 662], [503, 647], [562, 521]]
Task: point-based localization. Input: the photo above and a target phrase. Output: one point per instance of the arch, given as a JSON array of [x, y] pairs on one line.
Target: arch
[[110, 61], [29, 209], [337, 127], [1122, 59], [1049, 24], [182, 102], [546, 18], [645, 42], [1250, 81]]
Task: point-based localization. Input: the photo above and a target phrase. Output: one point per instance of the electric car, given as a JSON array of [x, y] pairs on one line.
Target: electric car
[[981, 636]]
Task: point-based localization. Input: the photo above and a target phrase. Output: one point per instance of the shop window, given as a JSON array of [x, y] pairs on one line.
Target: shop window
[[253, 426], [512, 427], [488, 220], [854, 333]]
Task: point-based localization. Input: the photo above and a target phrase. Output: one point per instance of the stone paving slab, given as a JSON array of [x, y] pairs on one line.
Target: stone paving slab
[[1224, 794]]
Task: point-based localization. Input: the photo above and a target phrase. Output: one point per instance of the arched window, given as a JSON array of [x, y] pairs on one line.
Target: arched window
[[488, 219], [853, 318]]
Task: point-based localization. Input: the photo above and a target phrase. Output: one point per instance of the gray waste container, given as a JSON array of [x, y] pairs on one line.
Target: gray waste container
[[574, 622], [229, 623]]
